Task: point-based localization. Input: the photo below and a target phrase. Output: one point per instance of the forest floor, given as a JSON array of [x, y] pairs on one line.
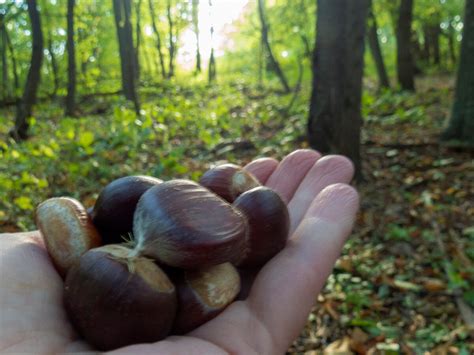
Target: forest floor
[[405, 281]]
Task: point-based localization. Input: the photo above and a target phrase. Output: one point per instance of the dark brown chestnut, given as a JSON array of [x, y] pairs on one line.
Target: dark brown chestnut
[[115, 206], [203, 294], [67, 230], [115, 300], [269, 224], [228, 181], [182, 224]]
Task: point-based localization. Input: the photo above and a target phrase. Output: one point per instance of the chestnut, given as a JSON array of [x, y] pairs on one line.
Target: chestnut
[[182, 224], [115, 206], [115, 300], [269, 224], [203, 294], [228, 181], [67, 230]]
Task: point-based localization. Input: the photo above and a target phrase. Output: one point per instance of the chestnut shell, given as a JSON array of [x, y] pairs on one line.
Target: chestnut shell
[[182, 224], [269, 225], [115, 206], [111, 306], [228, 181]]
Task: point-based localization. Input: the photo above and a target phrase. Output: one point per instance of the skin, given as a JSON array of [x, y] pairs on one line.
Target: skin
[[322, 210]]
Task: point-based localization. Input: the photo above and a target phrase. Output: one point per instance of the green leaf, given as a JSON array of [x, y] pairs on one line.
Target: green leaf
[[23, 202], [86, 139]]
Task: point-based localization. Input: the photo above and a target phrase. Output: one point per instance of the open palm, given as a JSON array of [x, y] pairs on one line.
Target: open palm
[[322, 210]]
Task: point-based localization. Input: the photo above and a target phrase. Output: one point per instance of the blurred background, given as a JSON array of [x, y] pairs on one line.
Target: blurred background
[[94, 90]]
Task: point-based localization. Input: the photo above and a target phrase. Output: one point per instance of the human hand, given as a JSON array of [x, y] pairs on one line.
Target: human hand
[[322, 209]]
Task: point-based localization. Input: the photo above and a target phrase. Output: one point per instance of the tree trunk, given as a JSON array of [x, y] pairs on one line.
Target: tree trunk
[[212, 72], [435, 33], [338, 59], [452, 50], [24, 108], [138, 7], [376, 51], [3, 38], [122, 10], [71, 61], [405, 65], [13, 59], [195, 11], [461, 125], [158, 38], [171, 46], [273, 61]]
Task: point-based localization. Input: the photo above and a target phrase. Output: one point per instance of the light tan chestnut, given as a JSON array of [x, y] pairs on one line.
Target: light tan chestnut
[[228, 181], [203, 294], [115, 300], [182, 224], [67, 230]]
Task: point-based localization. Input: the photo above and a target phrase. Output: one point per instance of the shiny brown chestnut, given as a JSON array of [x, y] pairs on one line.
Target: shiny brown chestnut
[[228, 181], [269, 224], [203, 294], [182, 224], [67, 230], [115, 206], [115, 300]]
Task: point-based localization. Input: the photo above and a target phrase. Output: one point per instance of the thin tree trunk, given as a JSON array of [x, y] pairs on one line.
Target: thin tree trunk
[[24, 108], [71, 61], [3, 38], [376, 51], [212, 72], [122, 10], [338, 59], [452, 50], [158, 38], [195, 11], [273, 61], [138, 7], [13, 59], [171, 46], [54, 66], [405, 65], [461, 125], [435, 33], [427, 50]]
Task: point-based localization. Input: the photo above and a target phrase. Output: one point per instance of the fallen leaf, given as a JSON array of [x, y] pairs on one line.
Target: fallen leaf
[[339, 347]]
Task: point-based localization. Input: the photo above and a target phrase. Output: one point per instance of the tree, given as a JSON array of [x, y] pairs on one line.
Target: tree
[[138, 7], [335, 118], [171, 39], [461, 125], [212, 72], [405, 65], [195, 13], [275, 66], [122, 10], [158, 38], [71, 60], [25, 106], [374, 45]]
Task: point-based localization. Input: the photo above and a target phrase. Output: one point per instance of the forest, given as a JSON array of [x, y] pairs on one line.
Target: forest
[[94, 90]]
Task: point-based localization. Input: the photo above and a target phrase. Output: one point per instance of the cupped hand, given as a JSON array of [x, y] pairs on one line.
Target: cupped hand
[[322, 209]]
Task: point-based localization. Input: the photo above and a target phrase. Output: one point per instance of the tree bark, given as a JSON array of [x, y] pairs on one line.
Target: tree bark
[[3, 38], [212, 72], [13, 59], [122, 10], [376, 51], [195, 11], [273, 61], [405, 65], [24, 107], [138, 6], [461, 125], [71, 61], [171, 47], [158, 38], [338, 59]]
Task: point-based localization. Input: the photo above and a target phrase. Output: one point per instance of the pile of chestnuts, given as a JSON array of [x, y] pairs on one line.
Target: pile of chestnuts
[[155, 258]]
